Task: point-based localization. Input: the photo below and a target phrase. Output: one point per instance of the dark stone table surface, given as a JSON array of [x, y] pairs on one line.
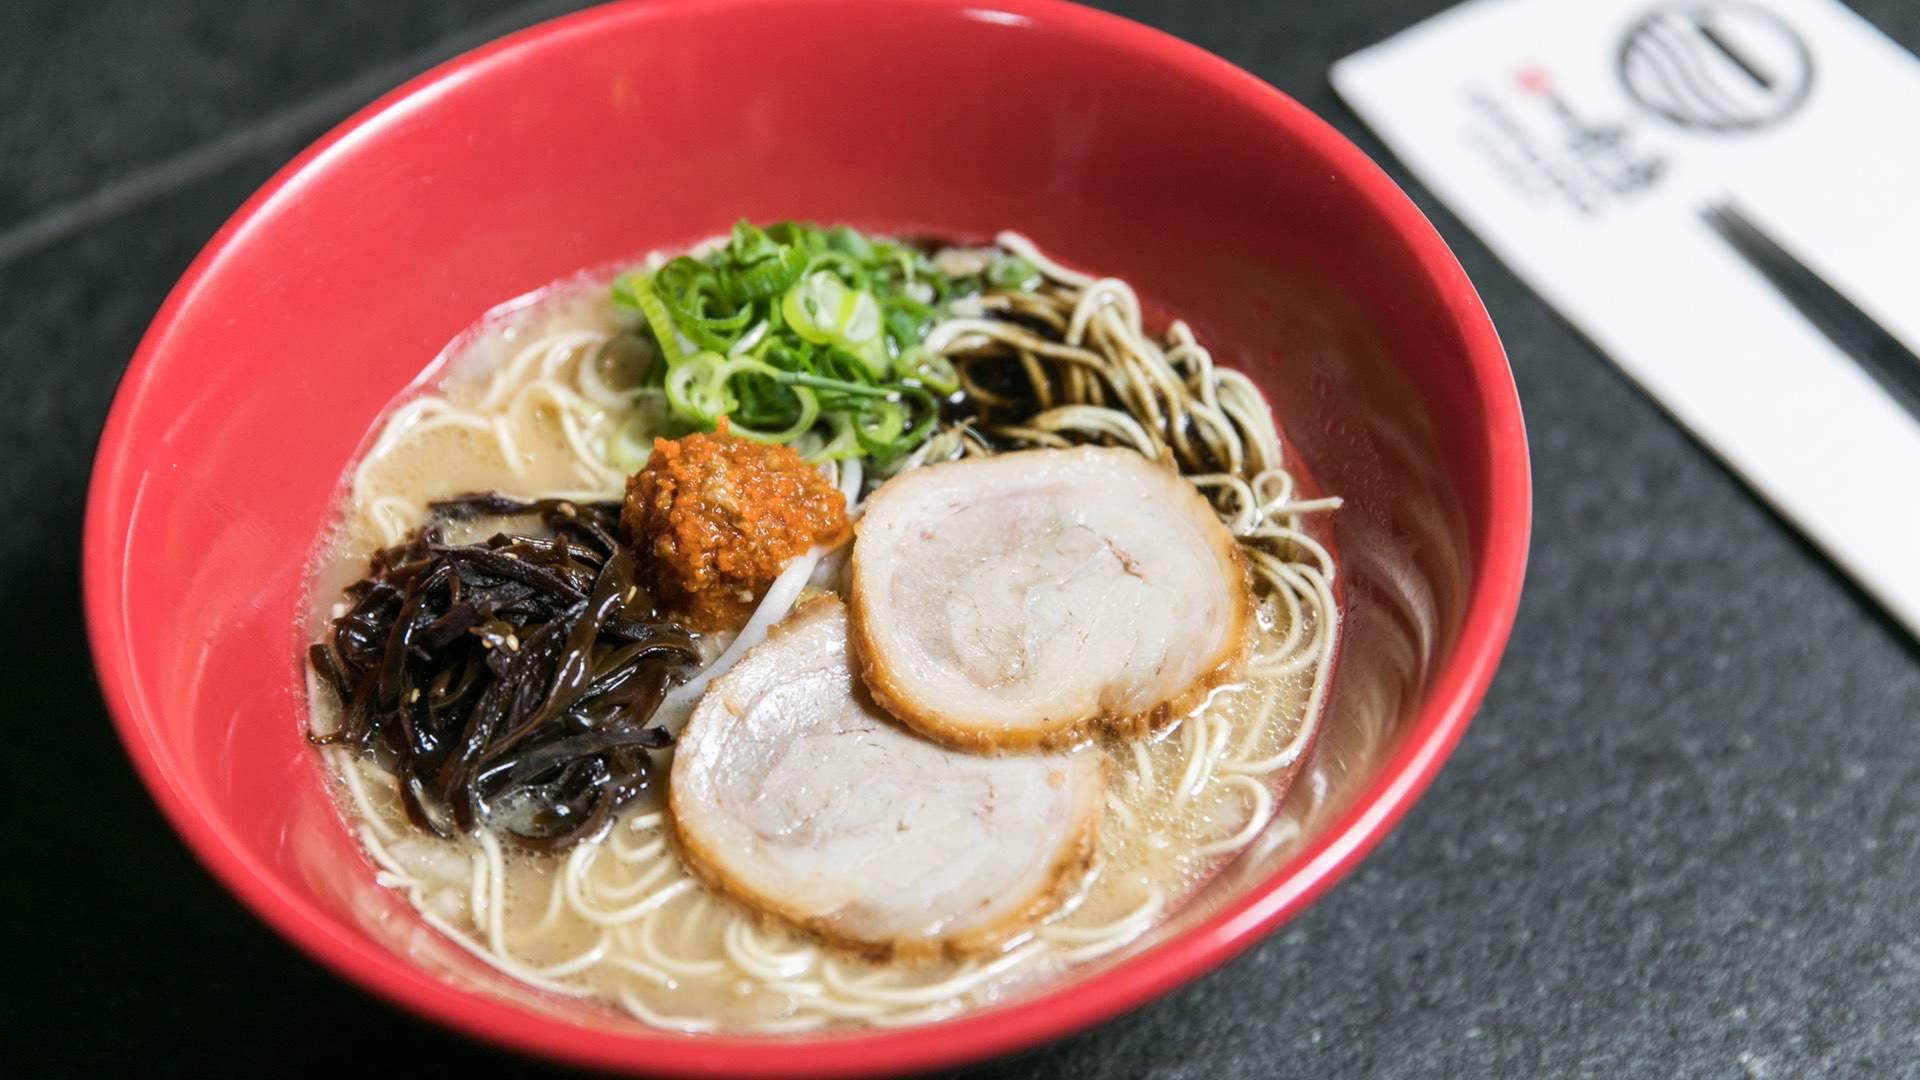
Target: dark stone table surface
[[1681, 839]]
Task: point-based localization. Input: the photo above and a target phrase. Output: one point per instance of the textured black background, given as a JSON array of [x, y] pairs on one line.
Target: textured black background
[[1682, 838]]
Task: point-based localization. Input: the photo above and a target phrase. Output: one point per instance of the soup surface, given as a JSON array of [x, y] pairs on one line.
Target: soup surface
[[551, 398]]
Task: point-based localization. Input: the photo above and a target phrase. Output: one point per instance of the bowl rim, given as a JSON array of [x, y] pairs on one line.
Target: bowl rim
[[1454, 691]]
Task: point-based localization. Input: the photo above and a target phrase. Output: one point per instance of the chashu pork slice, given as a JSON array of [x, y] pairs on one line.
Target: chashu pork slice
[[1027, 600], [794, 794]]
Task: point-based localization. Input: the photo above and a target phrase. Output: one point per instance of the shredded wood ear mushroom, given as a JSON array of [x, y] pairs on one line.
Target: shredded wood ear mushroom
[[506, 684]]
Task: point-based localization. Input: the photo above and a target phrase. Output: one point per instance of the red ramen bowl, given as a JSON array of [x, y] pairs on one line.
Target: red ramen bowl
[[603, 135]]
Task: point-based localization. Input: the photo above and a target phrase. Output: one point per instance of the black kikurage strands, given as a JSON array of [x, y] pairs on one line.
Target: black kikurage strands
[[509, 682]]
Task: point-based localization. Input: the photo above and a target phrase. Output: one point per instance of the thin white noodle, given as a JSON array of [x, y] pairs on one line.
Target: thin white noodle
[[917, 1016], [496, 891], [580, 860], [648, 852], [1025, 248], [394, 516], [555, 902], [1194, 737], [789, 1026], [594, 387], [692, 969], [1117, 935], [478, 898], [1142, 764], [1145, 912], [644, 970], [499, 961], [755, 957], [1328, 615], [692, 1024], [1256, 819], [839, 1009], [509, 449], [659, 866], [347, 768], [935, 992]]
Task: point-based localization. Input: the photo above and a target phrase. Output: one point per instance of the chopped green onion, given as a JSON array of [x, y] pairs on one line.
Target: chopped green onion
[[844, 444], [811, 306], [806, 336], [809, 404], [880, 425], [696, 391], [930, 369], [640, 290], [1013, 272], [821, 382]]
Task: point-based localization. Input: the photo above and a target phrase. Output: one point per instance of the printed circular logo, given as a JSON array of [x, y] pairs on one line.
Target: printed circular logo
[[1718, 66]]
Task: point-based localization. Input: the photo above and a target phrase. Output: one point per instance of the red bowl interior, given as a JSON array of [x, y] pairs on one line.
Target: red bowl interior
[[605, 134]]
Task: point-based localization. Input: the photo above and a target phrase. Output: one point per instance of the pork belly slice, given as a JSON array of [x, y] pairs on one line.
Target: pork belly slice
[[1031, 599], [795, 795]]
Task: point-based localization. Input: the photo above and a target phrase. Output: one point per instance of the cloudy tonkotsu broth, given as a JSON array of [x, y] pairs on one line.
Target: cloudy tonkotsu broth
[[540, 403]]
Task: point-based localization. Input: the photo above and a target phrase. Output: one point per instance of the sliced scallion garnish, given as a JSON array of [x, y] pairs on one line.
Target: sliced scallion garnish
[[805, 335]]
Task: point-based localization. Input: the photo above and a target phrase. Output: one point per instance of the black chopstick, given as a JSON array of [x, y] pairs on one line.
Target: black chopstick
[[1855, 332]]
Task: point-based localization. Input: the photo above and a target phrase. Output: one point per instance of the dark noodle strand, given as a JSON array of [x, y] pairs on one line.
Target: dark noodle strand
[[507, 683]]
